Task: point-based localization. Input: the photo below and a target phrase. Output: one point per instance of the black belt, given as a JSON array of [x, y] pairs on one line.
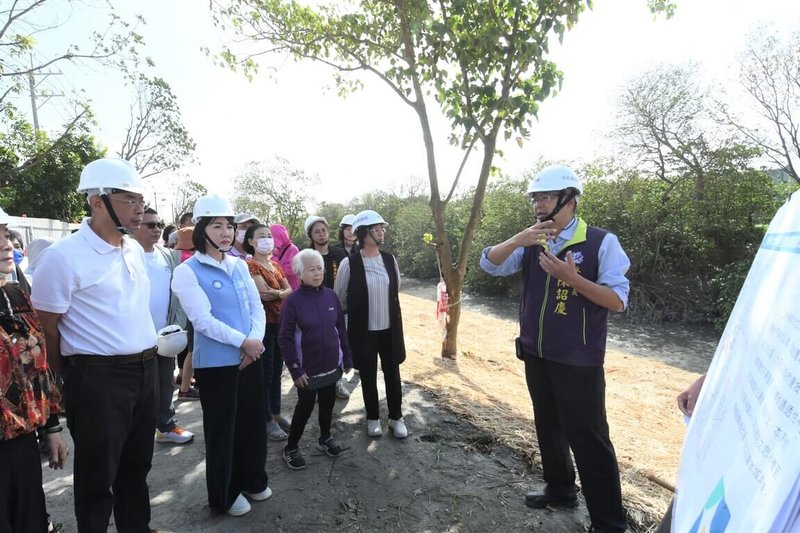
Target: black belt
[[111, 360]]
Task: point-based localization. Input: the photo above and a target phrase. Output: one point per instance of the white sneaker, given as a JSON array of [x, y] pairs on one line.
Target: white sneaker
[[374, 428], [341, 390], [240, 506], [176, 435], [259, 496], [398, 428]]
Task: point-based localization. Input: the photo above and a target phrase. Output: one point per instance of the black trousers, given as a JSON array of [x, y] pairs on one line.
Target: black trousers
[[570, 412], [189, 345], [21, 496], [233, 425], [273, 369], [306, 398], [379, 344], [111, 415], [666, 522]]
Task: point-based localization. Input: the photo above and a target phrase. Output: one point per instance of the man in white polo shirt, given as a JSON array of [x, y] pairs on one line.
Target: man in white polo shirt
[[93, 298], [166, 310]]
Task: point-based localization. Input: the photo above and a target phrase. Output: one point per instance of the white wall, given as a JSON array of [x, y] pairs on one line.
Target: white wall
[[41, 228]]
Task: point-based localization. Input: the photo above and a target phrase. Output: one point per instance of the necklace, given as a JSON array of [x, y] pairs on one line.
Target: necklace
[[10, 322]]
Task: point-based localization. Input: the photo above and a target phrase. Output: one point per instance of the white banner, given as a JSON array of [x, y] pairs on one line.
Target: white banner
[[740, 466]]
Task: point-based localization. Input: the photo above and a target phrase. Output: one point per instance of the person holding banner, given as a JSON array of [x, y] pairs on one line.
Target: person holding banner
[[572, 274], [686, 403]]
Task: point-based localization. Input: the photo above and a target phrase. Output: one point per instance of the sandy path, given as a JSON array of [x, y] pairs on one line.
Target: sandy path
[[464, 467]]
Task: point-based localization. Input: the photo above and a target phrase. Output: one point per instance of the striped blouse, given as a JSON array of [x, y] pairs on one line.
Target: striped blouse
[[377, 290]]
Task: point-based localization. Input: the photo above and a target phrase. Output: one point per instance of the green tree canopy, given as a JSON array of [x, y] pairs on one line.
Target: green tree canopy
[[484, 64], [114, 46], [45, 186]]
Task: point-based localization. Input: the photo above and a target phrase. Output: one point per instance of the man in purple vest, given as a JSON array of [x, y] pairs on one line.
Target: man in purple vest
[[572, 274]]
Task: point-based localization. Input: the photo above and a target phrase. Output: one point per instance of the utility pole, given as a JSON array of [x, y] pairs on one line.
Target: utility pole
[[32, 86], [34, 111]]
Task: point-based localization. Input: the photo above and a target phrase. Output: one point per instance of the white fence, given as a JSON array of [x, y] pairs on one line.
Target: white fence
[[41, 228]]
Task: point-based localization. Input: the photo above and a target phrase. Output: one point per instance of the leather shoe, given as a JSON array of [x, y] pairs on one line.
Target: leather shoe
[[540, 501]]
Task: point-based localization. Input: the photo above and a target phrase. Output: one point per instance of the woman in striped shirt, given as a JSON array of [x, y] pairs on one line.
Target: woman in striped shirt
[[368, 284]]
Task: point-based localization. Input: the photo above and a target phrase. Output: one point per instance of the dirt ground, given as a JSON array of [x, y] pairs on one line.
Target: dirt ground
[[466, 465]]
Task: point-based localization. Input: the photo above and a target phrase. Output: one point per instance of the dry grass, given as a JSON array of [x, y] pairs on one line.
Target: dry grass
[[486, 384]]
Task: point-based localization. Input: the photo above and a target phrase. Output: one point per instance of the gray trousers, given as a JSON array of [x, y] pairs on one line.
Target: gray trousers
[[165, 409]]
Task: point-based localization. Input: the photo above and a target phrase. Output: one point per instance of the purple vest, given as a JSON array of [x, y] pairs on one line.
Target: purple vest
[[558, 323]]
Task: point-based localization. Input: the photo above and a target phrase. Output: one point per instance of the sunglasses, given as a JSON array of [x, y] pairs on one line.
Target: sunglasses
[[153, 225]]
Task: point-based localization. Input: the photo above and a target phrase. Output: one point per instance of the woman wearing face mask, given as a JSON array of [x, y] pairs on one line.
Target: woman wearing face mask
[[242, 222], [30, 400], [285, 250], [274, 288]]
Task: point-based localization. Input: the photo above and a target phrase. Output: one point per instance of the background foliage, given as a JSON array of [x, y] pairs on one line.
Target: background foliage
[[689, 257]]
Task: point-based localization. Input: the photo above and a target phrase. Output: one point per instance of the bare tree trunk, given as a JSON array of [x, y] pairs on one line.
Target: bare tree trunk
[[454, 273], [455, 284]]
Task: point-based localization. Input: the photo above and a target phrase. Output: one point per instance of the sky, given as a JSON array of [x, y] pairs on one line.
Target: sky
[[371, 140]]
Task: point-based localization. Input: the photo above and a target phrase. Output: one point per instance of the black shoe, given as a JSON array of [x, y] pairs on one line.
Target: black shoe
[[540, 501], [294, 459], [330, 447]]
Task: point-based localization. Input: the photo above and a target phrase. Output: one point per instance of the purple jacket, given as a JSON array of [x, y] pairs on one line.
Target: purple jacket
[[284, 252], [312, 335]]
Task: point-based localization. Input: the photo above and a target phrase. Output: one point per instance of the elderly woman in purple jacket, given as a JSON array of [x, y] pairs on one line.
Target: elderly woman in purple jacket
[[313, 342]]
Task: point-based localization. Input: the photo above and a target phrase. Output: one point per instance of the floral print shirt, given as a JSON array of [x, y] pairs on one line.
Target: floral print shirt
[[28, 392], [274, 280]]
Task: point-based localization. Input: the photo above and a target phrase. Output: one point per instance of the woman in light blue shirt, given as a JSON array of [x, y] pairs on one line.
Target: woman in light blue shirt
[[222, 302]]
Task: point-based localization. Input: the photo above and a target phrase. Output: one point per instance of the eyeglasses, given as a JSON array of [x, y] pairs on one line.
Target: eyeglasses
[[153, 225], [131, 203], [379, 229], [544, 197]]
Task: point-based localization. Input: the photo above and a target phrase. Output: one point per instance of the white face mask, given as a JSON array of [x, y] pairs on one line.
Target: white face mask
[[240, 235], [265, 245]]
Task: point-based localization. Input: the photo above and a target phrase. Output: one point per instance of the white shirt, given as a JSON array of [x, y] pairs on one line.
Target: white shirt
[[377, 290], [160, 274], [101, 291], [198, 308]]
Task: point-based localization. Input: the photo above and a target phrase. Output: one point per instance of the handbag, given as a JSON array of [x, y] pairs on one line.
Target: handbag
[[520, 351], [319, 381]]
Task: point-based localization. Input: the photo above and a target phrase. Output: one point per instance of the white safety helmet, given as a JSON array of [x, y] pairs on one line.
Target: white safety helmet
[[555, 178], [171, 341], [347, 220], [211, 205], [245, 217], [313, 219], [102, 175], [367, 218], [5, 218]]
